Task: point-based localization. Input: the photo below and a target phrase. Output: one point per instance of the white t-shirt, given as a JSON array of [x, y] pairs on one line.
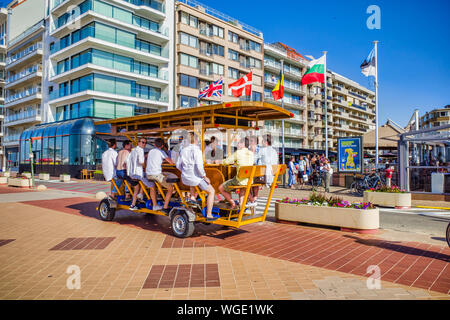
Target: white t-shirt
[[190, 163], [301, 165], [109, 162], [134, 163], [155, 159]]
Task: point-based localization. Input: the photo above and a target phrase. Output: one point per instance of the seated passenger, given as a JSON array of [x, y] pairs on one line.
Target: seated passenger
[[190, 163], [109, 162], [266, 156], [135, 171], [121, 169], [242, 157], [154, 172]]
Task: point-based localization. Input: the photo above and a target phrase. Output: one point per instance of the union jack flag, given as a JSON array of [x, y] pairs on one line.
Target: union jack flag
[[214, 89]]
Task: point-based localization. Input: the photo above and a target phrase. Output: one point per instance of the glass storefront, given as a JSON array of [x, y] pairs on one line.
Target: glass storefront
[[61, 147]]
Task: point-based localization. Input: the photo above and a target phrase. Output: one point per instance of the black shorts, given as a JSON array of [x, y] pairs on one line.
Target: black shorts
[[132, 182]]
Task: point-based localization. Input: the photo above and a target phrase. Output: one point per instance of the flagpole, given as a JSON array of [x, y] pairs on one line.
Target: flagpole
[[376, 104], [282, 129], [326, 104]]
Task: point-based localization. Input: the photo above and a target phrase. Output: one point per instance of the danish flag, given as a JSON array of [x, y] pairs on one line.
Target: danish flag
[[241, 87], [214, 89]]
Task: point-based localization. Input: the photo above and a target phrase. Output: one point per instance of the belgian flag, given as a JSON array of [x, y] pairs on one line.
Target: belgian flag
[[278, 91]]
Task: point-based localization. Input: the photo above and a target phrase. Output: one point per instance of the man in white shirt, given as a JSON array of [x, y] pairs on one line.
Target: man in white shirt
[[135, 171], [328, 170], [154, 172], [109, 162], [190, 163], [266, 156]]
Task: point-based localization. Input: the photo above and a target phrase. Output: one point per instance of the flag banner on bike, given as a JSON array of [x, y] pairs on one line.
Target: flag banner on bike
[[350, 155]]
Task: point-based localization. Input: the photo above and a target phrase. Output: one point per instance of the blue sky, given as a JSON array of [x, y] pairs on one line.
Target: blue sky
[[413, 54]]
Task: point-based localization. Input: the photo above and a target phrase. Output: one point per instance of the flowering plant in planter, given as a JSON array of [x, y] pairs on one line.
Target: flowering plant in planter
[[323, 201], [393, 189]]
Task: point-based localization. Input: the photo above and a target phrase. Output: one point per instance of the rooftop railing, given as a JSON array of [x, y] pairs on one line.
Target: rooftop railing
[[221, 16], [27, 32]]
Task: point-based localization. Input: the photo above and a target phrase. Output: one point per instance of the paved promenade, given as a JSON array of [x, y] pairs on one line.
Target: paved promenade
[[136, 257]]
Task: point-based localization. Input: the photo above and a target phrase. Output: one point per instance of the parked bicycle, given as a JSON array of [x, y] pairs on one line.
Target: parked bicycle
[[369, 181]]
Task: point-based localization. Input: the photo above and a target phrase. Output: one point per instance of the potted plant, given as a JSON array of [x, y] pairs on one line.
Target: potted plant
[[98, 175], [44, 176], [26, 174], [388, 197], [330, 211], [22, 182], [65, 177], [5, 174]]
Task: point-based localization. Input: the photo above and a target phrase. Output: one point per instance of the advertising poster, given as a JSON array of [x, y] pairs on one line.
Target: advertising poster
[[350, 155]]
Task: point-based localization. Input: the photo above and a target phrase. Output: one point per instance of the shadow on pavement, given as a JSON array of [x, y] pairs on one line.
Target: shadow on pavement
[[396, 246]]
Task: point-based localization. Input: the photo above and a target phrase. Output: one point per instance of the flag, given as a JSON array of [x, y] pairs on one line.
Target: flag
[[278, 91], [241, 87], [316, 72], [214, 89], [368, 66]]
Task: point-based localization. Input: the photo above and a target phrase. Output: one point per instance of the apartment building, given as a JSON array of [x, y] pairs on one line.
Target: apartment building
[[435, 118], [350, 112], [24, 73], [211, 45], [294, 100], [3, 41]]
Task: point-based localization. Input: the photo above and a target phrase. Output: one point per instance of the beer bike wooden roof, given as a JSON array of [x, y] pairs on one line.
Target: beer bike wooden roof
[[231, 115]]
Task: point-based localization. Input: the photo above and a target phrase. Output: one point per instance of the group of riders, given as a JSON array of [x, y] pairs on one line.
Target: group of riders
[[135, 164]]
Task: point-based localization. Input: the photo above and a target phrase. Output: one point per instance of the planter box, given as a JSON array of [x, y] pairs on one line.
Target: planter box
[[5, 174], [3, 180], [26, 174], [44, 176], [19, 182], [64, 178], [361, 220], [387, 199]]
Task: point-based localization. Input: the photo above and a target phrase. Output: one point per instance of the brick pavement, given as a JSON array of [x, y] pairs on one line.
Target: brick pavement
[[259, 261]]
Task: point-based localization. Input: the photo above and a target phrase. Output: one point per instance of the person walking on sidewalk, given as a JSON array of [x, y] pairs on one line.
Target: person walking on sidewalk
[[292, 172], [301, 171], [328, 172]]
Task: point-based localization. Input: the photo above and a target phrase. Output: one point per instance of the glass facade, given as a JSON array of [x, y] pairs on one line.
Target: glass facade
[[107, 33], [107, 84], [107, 10], [67, 143]]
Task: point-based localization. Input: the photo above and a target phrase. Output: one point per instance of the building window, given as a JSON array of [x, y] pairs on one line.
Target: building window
[[188, 81], [233, 73], [188, 60], [188, 102], [188, 40], [233, 37], [233, 55]]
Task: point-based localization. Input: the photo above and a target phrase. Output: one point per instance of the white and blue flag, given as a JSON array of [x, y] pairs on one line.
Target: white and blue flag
[[368, 67]]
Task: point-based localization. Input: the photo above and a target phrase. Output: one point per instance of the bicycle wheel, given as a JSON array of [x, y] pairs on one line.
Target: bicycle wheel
[[447, 235]]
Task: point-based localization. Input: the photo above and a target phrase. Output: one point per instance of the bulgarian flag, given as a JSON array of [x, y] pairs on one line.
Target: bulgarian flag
[[316, 72], [278, 91]]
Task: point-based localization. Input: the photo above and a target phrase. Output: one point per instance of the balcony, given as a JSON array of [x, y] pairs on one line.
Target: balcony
[[11, 139], [206, 32], [59, 6], [23, 96], [271, 64], [28, 116], [23, 76], [23, 55], [27, 32]]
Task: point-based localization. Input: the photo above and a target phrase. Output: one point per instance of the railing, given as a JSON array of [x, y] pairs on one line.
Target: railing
[[205, 72], [23, 94], [139, 45], [23, 115], [57, 3], [24, 73], [12, 137], [27, 32], [221, 16], [24, 53], [206, 32], [159, 6], [244, 47], [272, 64], [292, 57], [139, 94]]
